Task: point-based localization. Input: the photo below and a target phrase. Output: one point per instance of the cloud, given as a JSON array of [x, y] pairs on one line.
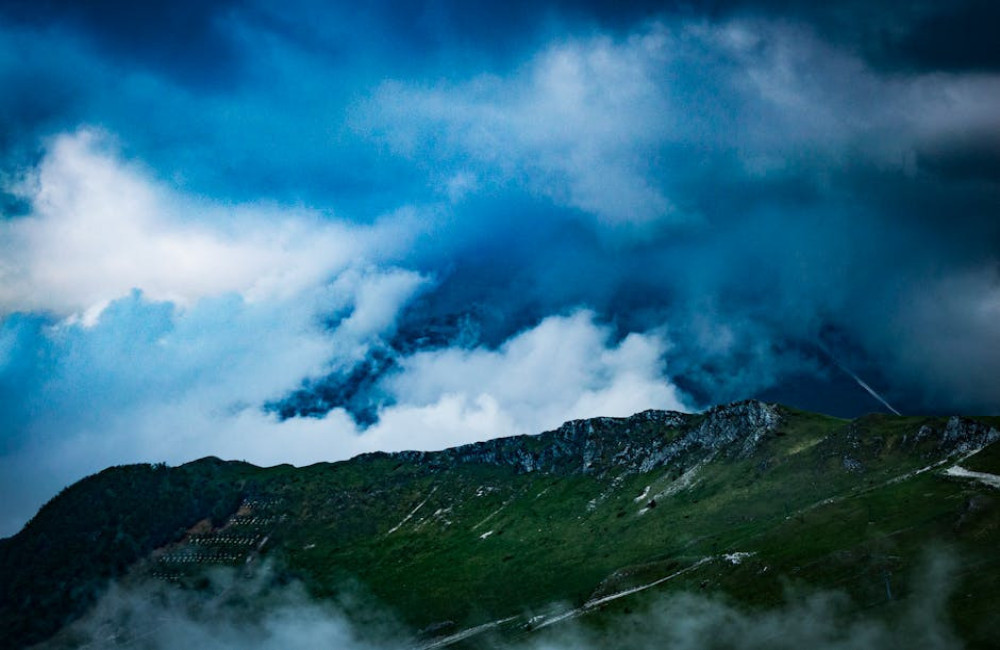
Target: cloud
[[565, 368], [613, 127], [185, 40], [172, 320], [234, 610], [99, 227], [575, 123], [824, 620], [262, 610], [947, 328], [794, 189], [169, 321]]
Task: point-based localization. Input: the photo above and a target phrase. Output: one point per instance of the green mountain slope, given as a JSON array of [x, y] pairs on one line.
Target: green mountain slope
[[587, 521]]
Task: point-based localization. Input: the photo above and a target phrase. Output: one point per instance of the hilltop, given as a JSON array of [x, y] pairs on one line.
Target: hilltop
[[590, 518]]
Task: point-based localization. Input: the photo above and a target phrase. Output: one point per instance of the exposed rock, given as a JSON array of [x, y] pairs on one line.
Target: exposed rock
[[962, 435], [738, 427], [638, 443], [959, 436], [852, 465]]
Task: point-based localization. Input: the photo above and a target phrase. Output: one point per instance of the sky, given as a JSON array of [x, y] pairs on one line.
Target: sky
[[301, 231]]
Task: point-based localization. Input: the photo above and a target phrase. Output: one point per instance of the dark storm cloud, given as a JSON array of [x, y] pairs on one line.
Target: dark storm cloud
[[951, 36], [969, 157], [204, 43], [922, 35], [747, 182], [915, 35], [809, 192], [269, 86], [188, 39]]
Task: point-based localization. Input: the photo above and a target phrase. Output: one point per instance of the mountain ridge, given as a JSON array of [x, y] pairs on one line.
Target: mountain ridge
[[745, 421], [498, 526], [582, 437]]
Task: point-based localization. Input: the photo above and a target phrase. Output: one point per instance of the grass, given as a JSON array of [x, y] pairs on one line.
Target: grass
[[820, 504]]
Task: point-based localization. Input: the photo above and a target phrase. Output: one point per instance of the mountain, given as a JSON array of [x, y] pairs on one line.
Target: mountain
[[590, 521]]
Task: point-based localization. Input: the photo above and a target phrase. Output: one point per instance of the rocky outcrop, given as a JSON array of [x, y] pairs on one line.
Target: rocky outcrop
[[638, 443], [959, 436], [738, 428]]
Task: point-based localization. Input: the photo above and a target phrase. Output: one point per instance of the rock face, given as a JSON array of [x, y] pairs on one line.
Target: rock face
[[738, 428], [638, 443], [960, 435]]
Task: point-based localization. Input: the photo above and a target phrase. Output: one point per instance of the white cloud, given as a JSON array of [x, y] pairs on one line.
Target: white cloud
[[572, 123], [618, 128], [785, 100], [567, 367], [100, 227], [377, 297]]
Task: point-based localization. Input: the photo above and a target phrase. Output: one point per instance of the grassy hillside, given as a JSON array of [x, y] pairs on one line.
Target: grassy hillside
[[742, 501]]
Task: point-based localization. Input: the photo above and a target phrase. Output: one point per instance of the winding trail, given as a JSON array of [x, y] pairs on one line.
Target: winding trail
[[465, 634], [538, 622], [597, 602]]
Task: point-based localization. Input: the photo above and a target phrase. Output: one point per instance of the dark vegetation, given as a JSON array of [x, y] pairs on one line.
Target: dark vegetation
[[93, 531]]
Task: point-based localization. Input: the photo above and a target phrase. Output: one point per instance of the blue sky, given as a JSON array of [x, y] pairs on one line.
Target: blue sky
[[298, 233]]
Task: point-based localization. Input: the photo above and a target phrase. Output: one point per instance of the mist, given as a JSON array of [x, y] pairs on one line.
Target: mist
[[229, 609], [237, 609], [819, 620]]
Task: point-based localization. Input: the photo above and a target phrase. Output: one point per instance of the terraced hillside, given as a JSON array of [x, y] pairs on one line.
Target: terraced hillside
[[503, 538]]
